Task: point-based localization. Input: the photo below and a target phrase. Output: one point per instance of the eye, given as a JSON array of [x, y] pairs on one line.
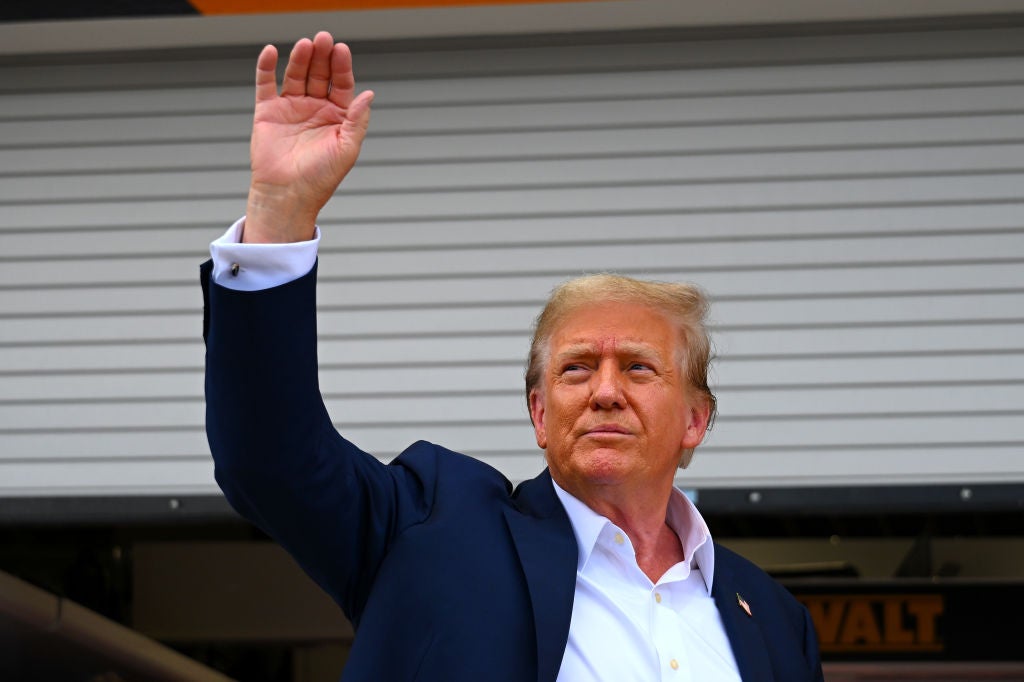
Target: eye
[[574, 372], [641, 370]]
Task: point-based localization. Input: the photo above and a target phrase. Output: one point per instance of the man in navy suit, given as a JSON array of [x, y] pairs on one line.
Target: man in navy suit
[[598, 569]]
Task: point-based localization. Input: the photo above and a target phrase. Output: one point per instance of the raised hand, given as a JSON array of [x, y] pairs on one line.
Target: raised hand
[[304, 140]]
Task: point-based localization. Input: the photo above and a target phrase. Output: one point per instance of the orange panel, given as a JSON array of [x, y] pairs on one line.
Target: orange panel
[[276, 6]]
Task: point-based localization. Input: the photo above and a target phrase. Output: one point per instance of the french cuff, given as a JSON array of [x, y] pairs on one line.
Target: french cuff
[[251, 267]]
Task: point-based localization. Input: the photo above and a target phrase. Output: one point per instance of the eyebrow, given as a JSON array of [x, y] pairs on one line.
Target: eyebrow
[[641, 350], [636, 349]]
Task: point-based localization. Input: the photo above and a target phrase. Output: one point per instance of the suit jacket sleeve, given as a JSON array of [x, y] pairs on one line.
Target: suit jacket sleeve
[[811, 651], [277, 456]]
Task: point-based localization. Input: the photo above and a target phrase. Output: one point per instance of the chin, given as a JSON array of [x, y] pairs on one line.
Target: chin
[[603, 468]]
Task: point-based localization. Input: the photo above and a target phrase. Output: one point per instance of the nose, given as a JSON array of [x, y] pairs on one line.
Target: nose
[[606, 388]]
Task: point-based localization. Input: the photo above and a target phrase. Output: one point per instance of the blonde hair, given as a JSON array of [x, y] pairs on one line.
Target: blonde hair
[[685, 305]]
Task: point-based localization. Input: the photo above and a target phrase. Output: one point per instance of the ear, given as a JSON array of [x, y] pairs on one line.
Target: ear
[[537, 417], [696, 416]]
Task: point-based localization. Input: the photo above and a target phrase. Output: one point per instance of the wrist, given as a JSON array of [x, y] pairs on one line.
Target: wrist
[[276, 217]]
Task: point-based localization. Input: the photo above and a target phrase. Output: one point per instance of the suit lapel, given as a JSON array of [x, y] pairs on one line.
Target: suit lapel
[[745, 636], [547, 551]]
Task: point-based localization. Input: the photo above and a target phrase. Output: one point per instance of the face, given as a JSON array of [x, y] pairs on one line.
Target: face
[[613, 407]]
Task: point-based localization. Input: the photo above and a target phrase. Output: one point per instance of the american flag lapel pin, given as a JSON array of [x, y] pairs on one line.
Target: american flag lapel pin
[[743, 605]]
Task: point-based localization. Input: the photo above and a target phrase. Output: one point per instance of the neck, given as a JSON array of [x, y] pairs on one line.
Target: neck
[[643, 519]]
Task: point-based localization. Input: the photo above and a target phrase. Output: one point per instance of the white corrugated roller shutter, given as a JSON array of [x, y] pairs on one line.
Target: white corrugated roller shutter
[[853, 204]]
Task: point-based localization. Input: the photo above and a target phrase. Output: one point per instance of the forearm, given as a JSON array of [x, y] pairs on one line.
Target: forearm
[[277, 456], [266, 425], [262, 392]]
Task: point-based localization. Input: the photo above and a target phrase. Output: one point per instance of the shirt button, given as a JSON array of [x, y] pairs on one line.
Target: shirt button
[[674, 664], [657, 597], [619, 538]]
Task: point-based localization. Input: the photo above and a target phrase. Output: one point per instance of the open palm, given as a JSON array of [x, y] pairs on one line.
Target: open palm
[[305, 139]]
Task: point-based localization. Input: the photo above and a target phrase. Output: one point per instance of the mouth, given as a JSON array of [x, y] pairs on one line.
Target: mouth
[[608, 430]]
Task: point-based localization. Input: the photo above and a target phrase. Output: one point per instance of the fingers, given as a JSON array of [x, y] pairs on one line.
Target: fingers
[[297, 71], [318, 80], [316, 68], [266, 74], [343, 81]]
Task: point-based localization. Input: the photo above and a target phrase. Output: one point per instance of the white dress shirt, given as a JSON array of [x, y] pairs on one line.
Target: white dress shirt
[[624, 628], [259, 266]]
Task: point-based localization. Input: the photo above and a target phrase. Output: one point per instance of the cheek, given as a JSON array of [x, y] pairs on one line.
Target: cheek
[[561, 414], [662, 413]]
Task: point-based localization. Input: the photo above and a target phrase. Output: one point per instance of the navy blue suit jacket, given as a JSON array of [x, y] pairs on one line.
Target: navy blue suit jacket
[[446, 572]]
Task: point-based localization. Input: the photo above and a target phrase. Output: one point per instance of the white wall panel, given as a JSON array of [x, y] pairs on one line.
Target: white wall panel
[[131, 447], [497, 200], [706, 138], [557, 86], [574, 256], [852, 405], [352, 236], [87, 386], [851, 202], [84, 302], [837, 164], [141, 475], [841, 370], [135, 157]]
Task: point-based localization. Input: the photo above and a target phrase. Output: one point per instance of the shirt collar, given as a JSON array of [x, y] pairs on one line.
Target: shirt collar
[[682, 517]]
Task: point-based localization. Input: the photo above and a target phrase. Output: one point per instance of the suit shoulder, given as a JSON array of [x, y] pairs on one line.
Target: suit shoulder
[[755, 580], [737, 562], [438, 464]]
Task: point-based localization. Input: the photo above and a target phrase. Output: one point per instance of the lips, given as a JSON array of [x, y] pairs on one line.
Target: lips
[[608, 429]]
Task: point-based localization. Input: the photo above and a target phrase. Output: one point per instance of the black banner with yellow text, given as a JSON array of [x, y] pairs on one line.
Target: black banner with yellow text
[[946, 620]]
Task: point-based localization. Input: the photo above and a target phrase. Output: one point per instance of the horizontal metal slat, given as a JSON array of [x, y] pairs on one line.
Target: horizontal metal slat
[[65, 446], [338, 335], [681, 226], [712, 469], [147, 297], [192, 476], [86, 387], [568, 199], [893, 311], [961, 102], [875, 465], [736, 406], [157, 156], [553, 86], [506, 174], [540, 257], [782, 372]]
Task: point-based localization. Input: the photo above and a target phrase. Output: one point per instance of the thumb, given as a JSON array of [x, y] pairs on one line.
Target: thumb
[[357, 120]]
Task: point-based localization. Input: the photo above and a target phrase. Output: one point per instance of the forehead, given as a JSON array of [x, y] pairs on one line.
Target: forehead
[[622, 325]]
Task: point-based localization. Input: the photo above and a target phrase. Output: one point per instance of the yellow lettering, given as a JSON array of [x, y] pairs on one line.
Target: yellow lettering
[[876, 622], [827, 615], [893, 628], [927, 611], [860, 625]]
